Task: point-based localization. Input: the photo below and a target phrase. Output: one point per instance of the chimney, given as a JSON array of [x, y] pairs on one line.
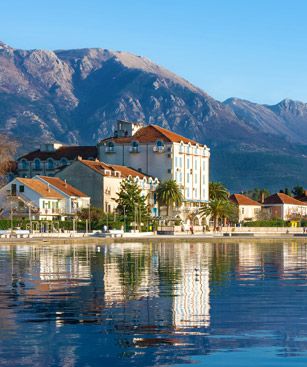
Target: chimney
[[48, 187], [65, 183], [261, 198]]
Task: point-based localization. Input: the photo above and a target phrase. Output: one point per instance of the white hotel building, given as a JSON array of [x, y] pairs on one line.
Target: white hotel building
[[160, 153]]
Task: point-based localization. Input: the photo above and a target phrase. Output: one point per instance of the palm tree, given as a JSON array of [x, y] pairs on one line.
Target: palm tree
[[217, 191], [168, 193], [218, 209]]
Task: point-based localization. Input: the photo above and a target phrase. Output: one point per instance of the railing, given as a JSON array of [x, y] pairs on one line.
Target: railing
[[109, 150], [158, 149]]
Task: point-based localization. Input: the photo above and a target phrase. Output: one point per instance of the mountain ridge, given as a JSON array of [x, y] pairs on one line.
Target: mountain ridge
[[76, 96]]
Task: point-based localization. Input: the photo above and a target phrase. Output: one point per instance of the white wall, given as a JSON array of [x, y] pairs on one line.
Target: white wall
[[248, 212], [176, 161]]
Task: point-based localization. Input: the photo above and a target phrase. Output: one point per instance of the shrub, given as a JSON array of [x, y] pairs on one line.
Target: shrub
[[268, 223]]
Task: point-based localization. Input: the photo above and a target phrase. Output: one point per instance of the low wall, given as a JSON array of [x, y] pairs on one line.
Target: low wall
[[263, 230]]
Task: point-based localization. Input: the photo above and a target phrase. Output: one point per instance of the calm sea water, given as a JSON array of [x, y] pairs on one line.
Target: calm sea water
[[154, 304]]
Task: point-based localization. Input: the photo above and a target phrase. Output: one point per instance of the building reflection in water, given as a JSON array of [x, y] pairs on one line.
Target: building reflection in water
[[152, 294], [191, 304]]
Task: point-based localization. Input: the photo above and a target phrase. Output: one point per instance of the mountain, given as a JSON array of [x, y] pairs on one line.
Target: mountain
[[76, 96]]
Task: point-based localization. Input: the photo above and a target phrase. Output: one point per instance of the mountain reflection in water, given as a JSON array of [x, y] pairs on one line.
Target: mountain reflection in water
[[154, 303]]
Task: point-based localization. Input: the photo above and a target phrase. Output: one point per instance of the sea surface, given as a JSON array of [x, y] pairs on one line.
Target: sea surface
[[154, 304]]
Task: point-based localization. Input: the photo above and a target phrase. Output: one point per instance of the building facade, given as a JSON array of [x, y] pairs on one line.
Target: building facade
[[51, 158], [285, 207], [36, 198], [161, 153], [248, 209], [102, 182]]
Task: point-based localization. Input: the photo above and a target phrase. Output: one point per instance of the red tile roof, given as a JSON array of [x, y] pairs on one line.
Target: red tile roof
[[101, 167], [240, 199], [69, 152], [152, 133], [63, 186], [281, 198], [41, 188]]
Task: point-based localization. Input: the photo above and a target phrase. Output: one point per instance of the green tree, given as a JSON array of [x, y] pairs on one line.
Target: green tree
[[298, 191], [131, 203], [218, 209], [217, 191], [168, 193], [257, 193]]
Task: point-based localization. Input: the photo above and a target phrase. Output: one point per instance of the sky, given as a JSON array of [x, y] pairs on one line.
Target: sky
[[250, 49]]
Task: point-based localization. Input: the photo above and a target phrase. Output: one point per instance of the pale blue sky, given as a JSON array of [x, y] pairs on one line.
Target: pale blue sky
[[252, 49]]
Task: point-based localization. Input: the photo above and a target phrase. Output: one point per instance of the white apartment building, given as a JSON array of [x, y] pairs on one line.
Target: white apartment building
[[75, 200], [248, 209], [102, 182], [285, 207], [39, 198], [29, 197], [161, 153]]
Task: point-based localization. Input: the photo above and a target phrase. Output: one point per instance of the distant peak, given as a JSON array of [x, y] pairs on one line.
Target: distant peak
[[4, 45]]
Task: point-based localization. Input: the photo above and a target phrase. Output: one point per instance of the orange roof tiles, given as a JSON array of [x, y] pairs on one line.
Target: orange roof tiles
[[41, 188], [101, 167], [152, 133], [63, 186], [240, 199], [280, 198]]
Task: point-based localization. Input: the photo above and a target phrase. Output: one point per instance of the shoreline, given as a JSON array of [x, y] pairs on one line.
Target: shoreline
[[156, 238]]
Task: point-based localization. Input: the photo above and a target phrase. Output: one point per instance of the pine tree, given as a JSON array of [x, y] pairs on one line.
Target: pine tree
[[132, 204]]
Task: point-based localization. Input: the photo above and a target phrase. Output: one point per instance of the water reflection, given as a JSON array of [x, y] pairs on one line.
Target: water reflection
[[152, 303]]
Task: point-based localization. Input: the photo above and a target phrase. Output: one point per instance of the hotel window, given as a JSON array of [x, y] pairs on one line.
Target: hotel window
[[242, 210], [134, 147], [188, 193], [181, 149], [195, 179], [37, 164], [176, 161], [50, 163], [204, 165], [159, 146], [204, 193], [24, 164], [188, 178], [180, 177], [195, 192], [196, 151], [64, 162], [195, 164], [21, 188], [188, 163]]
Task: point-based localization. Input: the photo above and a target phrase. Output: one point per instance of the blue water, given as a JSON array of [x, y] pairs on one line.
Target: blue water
[[154, 304]]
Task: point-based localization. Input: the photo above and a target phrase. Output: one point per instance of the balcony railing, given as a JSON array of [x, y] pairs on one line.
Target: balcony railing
[[109, 150], [134, 150], [158, 149]]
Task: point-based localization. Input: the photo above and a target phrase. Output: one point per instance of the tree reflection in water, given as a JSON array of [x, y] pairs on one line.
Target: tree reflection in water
[[150, 303]]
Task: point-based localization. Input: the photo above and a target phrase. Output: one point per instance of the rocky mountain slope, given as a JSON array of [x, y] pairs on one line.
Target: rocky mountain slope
[[76, 96]]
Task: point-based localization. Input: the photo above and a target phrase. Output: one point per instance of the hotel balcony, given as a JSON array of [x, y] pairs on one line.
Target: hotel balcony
[[158, 149], [109, 150], [134, 150]]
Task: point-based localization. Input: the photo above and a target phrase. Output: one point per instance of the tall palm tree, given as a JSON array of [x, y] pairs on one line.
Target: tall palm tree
[[168, 193], [217, 191], [217, 209]]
